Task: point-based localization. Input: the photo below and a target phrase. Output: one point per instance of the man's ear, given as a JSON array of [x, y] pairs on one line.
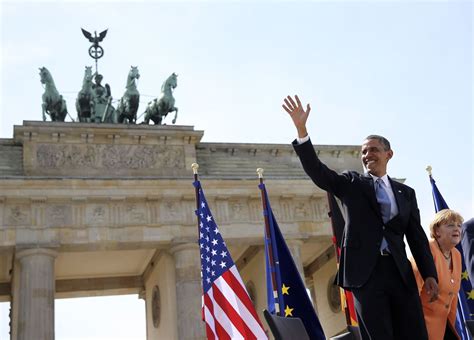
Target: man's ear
[[389, 154]]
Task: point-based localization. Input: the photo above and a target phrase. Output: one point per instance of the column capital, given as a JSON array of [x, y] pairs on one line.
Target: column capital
[[187, 261], [22, 252], [183, 246]]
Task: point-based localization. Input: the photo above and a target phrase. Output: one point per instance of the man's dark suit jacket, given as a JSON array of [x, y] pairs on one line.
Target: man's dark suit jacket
[[364, 227], [468, 247]]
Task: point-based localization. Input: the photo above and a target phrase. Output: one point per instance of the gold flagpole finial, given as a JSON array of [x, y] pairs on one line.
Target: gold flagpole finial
[[195, 168], [429, 168], [260, 172]]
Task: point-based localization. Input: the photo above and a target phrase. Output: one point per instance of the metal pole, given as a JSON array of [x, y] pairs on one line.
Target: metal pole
[[195, 168], [269, 245]]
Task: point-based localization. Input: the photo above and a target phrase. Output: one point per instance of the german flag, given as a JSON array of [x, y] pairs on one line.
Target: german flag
[[337, 222]]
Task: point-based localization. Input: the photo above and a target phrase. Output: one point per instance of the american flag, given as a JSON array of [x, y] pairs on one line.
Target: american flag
[[227, 309]]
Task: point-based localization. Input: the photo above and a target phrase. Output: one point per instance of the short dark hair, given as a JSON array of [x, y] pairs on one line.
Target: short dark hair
[[382, 140]]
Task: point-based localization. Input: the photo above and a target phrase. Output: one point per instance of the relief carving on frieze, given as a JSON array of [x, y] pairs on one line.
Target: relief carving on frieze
[[18, 215], [302, 211], [102, 156], [239, 210], [97, 214]]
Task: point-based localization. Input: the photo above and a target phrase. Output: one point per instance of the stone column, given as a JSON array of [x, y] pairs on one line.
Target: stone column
[[15, 291], [188, 291], [37, 288], [295, 249]]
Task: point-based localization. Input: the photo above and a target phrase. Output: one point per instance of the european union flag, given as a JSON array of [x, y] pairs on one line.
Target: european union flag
[[466, 293], [291, 298]]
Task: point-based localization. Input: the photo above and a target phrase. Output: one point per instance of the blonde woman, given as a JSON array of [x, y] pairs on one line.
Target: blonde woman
[[440, 315]]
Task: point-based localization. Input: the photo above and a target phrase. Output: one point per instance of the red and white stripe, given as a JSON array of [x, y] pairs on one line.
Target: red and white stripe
[[228, 310]]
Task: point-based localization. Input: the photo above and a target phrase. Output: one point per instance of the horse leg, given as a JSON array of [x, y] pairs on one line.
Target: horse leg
[[156, 119], [63, 112], [43, 108], [78, 109], [124, 118], [134, 117], [175, 109]]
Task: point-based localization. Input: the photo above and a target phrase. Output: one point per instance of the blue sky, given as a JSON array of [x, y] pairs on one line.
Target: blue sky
[[401, 69]]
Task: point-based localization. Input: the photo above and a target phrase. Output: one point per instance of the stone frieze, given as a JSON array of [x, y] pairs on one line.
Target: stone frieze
[[120, 212], [105, 156]]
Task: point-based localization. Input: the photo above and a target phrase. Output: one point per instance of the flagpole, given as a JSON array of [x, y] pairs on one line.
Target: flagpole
[[195, 168], [269, 247], [331, 216], [429, 169]]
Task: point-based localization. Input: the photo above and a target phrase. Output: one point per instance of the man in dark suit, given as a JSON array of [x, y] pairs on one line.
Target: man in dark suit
[[467, 242], [379, 213]]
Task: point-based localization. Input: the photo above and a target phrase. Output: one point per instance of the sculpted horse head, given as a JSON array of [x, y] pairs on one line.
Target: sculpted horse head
[[45, 76], [170, 83], [133, 74], [159, 108], [128, 105], [84, 97], [53, 103]]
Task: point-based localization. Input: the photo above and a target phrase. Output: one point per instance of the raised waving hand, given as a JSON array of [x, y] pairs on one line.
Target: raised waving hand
[[297, 113]]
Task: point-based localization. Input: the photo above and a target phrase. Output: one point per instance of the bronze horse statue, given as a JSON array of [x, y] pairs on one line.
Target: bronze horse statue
[[53, 103], [157, 109], [128, 105], [84, 97]]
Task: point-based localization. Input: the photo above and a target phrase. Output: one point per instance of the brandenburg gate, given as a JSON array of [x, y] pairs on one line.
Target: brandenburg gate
[[91, 209]]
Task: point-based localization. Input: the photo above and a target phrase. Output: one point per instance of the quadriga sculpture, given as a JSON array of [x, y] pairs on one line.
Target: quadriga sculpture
[[53, 103]]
